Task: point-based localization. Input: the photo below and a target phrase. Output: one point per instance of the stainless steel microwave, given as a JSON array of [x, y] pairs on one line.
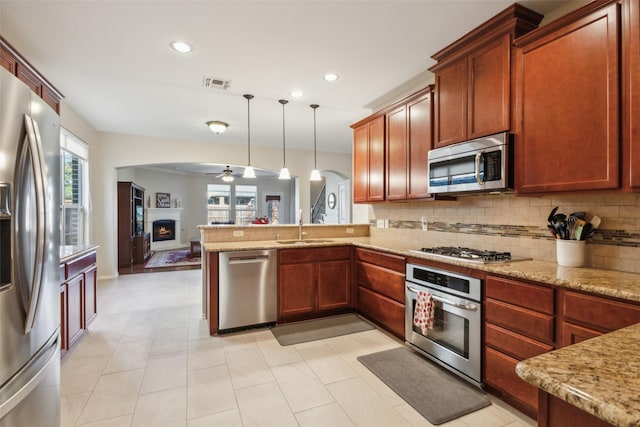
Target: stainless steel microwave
[[483, 164]]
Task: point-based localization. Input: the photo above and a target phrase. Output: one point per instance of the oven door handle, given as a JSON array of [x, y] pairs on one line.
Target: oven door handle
[[462, 305]]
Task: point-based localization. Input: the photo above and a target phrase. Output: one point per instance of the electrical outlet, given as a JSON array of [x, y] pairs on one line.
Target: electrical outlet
[[238, 233], [380, 223], [349, 230]]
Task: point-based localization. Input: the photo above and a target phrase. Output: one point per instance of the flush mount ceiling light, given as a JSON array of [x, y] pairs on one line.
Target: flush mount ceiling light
[[284, 172], [182, 47], [315, 173], [217, 126], [248, 171], [297, 93], [330, 77]]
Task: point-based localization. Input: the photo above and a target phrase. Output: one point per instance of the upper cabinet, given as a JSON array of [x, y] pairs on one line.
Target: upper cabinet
[[12, 61], [473, 78], [631, 91], [368, 160], [567, 103], [390, 151]]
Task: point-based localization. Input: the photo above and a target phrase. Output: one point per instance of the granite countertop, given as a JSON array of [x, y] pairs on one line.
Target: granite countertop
[[600, 376], [68, 252]]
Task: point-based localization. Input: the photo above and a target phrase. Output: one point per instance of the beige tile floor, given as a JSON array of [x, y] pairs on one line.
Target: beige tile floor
[[148, 360]]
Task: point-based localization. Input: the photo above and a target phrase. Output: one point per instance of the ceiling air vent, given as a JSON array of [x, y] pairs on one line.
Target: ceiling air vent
[[215, 83]]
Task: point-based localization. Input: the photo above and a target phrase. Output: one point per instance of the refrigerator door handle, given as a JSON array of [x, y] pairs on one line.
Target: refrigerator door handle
[[32, 152]]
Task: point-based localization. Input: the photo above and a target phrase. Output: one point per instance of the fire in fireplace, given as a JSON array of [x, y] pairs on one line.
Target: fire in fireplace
[[164, 229]]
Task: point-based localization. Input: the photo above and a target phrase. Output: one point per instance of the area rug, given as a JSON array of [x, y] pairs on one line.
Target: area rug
[[318, 329], [174, 258], [436, 394]]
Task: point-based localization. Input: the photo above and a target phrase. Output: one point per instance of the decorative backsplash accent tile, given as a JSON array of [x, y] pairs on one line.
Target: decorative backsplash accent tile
[[601, 237]]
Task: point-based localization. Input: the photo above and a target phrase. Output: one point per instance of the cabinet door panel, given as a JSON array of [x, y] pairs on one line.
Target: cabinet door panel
[[567, 103], [360, 163], [64, 334], [397, 154], [599, 313], [296, 289], [382, 310], [573, 334], [490, 88], [451, 104], [500, 372], [376, 160], [631, 120], [7, 61], [334, 290], [420, 142], [75, 309], [90, 296]]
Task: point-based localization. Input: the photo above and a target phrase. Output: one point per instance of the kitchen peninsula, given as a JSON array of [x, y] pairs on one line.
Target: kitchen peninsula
[[616, 293]]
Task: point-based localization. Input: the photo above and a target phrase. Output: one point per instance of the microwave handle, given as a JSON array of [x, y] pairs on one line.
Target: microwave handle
[[479, 156]]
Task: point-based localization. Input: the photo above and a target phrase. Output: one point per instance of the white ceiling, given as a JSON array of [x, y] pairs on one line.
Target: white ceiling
[[112, 61]]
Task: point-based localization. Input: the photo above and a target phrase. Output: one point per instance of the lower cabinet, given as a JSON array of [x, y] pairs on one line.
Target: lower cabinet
[[314, 281], [519, 324], [78, 297], [380, 280]]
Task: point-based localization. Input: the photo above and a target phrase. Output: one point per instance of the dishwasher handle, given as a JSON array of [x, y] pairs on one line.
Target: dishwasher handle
[[248, 259]]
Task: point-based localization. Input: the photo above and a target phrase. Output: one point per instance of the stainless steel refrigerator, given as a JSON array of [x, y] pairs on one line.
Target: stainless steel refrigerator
[[29, 258]]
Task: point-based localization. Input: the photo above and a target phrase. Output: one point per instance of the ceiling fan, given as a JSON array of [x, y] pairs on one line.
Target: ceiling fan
[[226, 175]]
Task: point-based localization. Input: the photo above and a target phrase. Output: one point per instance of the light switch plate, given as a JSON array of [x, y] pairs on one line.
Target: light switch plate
[[380, 223]]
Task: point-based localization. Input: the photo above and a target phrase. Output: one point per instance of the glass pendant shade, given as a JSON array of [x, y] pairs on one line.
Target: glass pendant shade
[[249, 172], [284, 174], [315, 175]]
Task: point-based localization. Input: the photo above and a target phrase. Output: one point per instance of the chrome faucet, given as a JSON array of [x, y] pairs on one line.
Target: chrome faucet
[[300, 233]]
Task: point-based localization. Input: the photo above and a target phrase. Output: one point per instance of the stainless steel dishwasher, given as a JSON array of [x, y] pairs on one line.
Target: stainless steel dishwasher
[[247, 288]]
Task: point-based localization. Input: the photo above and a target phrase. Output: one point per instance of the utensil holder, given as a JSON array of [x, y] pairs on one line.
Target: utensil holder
[[570, 253]]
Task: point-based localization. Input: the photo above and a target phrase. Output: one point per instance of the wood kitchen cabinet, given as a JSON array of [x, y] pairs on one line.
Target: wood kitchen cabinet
[[17, 65], [314, 281], [380, 280], [78, 296], [567, 103], [409, 138], [519, 324], [473, 78], [368, 161], [631, 94]]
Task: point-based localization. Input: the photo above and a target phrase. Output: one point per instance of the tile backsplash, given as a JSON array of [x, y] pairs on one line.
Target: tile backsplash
[[516, 224]]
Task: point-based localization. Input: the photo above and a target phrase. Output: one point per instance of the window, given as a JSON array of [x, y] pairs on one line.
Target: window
[[246, 205], [74, 165], [231, 204], [218, 207]]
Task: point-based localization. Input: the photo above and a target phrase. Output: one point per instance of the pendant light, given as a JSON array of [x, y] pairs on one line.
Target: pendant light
[[248, 171], [315, 173], [284, 172]]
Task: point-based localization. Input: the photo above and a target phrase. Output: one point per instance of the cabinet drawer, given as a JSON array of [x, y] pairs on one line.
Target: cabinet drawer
[[600, 313], [288, 256], [517, 319], [533, 297], [382, 310], [380, 280], [500, 372], [515, 345], [78, 265], [573, 334], [391, 262]]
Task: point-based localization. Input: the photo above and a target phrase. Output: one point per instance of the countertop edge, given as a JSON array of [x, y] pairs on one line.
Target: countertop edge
[[75, 251]]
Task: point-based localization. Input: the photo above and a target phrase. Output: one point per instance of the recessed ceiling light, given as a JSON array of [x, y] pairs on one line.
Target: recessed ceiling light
[[330, 77], [297, 93], [182, 47]]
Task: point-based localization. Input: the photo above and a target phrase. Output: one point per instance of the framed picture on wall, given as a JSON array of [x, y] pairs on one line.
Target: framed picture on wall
[[163, 200]]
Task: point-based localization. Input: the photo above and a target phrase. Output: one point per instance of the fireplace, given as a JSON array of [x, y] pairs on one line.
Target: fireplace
[[165, 241], [164, 229]]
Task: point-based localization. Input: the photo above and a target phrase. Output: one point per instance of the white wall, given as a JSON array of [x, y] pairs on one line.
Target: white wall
[[113, 151]]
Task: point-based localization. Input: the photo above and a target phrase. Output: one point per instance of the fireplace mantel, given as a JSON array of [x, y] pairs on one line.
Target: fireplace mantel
[[155, 214]]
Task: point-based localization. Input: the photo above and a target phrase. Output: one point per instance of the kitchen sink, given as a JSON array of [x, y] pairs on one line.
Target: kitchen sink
[[303, 242]]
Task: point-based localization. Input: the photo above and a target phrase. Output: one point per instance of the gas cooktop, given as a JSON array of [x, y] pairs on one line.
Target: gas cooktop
[[471, 255]]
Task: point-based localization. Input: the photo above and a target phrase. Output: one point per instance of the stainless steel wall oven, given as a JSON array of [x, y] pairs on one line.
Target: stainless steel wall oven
[[455, 340]]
